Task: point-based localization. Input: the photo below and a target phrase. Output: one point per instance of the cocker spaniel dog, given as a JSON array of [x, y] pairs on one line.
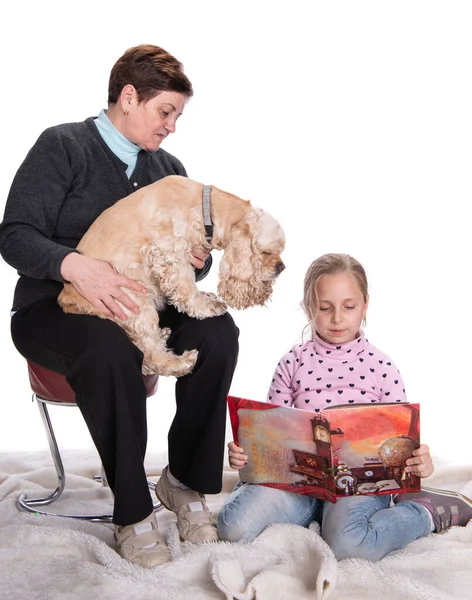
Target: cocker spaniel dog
[[148, 236]]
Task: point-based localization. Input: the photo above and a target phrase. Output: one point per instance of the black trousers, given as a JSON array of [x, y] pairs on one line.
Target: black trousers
[[104, 369]]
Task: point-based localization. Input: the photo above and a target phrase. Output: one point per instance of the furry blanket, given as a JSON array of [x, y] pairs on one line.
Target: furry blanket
[[51, 558]]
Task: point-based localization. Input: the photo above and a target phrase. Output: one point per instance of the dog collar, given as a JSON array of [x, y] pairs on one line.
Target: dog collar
[[206, 213]]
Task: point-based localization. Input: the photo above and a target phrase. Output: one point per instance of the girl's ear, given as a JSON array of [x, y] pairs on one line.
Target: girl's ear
[[366, 307]]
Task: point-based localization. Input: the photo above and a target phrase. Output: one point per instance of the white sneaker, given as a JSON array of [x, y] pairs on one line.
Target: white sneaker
[[194, 526], [142, 545]]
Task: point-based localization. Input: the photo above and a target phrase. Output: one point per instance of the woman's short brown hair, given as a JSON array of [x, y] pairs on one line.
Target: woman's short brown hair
[[150, 70]]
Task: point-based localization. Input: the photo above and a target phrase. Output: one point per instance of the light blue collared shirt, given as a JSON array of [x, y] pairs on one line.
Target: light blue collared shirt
[[118, 144]]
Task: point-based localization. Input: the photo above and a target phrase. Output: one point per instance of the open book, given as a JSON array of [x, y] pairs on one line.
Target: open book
[[341, 451]]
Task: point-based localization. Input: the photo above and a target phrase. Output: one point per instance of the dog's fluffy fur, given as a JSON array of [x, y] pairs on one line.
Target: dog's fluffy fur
[[148, 236]]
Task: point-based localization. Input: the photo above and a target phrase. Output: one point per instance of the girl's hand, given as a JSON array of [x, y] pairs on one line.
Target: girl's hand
[[421, 463], [100, 284], [236, 456]]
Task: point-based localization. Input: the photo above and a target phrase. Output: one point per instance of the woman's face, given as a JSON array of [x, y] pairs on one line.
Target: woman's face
[[147, 124]]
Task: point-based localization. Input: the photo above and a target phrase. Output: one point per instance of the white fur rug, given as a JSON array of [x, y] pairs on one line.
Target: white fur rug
[[50, 558]]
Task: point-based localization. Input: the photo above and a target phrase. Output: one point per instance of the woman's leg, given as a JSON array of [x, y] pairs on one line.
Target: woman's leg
[[368, 527], [197, 434], [104, 369], [251, 508]]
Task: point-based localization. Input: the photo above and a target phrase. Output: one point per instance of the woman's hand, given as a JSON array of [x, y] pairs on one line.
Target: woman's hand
[[236, 456], [421, 463], [100, 284], [199, 258]]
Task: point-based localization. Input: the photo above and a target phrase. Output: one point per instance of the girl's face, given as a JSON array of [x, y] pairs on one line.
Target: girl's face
[[147, 124], [340, 309]]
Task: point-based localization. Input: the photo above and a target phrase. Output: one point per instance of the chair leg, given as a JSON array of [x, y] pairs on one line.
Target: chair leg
[[31, 505]]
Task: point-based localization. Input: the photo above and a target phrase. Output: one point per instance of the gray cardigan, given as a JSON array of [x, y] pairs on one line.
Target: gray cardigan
[[68, 178]]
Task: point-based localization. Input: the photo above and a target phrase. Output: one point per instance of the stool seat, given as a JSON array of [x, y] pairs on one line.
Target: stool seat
[[52, 388]]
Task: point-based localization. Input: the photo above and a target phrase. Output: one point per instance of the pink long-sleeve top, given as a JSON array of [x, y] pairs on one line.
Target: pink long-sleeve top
[[315, 375]]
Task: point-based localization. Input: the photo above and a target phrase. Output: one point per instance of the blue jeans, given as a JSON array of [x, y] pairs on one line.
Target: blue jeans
[[354, 527]]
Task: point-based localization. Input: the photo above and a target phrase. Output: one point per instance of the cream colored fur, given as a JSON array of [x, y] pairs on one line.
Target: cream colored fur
[[148, 236]]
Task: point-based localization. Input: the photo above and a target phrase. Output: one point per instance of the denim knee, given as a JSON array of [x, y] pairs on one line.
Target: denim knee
[[359, 527], [345, 544], [230, 528], [251, 508], [244, 515]]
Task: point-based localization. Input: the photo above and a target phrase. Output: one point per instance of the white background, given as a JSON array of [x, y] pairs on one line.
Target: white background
[[350, 122]]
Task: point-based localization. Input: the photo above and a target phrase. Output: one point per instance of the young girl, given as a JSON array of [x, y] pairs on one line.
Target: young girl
[[339, 366]]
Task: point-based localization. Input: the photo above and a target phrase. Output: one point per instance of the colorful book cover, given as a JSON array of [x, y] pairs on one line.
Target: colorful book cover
[[341, 451]]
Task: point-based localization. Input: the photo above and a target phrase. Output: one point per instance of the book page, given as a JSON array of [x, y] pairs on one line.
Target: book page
[[343, 451]]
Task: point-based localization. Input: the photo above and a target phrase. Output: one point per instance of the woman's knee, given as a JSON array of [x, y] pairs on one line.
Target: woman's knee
[[221, 351], [219, 336], [215, 336]]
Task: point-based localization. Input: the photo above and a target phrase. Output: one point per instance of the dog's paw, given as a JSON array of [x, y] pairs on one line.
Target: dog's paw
[[209, 305], [170, 364], [165, 333], [187, 362]]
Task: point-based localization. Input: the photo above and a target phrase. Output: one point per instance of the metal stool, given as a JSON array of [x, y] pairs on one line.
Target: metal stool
[[52, 388]]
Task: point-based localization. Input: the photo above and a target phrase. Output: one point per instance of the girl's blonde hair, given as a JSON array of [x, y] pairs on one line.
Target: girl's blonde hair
[[330, 264]]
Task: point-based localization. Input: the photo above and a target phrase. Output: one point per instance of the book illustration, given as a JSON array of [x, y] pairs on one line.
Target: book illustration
[[344, 450]]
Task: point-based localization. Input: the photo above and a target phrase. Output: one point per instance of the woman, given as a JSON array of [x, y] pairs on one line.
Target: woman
[[74, 172]]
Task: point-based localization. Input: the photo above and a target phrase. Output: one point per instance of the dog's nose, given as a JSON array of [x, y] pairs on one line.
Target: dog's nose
[[279, 267]]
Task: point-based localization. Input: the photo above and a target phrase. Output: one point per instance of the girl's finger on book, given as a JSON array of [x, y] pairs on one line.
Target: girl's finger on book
[[238, 457]]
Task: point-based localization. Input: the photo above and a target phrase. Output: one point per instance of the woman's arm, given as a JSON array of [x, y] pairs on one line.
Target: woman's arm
[[36, 197]]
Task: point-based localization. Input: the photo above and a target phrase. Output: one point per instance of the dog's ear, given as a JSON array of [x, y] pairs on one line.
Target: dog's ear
[[236, 260], [240, 275]]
